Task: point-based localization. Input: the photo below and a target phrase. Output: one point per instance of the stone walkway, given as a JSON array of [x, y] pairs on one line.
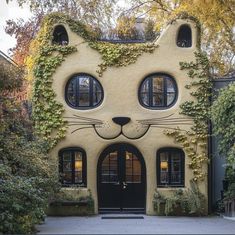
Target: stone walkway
[[148, 225]]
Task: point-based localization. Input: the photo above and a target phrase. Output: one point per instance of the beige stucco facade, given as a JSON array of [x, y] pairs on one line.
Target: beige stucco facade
[[121, 87]]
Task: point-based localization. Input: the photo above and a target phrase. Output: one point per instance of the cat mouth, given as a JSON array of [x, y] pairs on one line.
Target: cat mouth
[[166, 122]]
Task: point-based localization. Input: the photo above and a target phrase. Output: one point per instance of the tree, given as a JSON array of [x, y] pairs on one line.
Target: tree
[[27, 178], [24, 31], [149, 30], [95, 13], [125, 28], [217, 18]]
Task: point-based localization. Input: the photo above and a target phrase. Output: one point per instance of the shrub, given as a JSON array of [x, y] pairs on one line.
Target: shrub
[[188, 202], [27, 179]]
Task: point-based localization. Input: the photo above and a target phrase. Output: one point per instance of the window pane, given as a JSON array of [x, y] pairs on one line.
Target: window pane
[[133, 169], [129, 168], [67, 166], [145, 86], [145, 98], [170, 85], [84, 82], [78, 156], [158, 84], [97, 93], [67, 177], [78, 177], [67, 156], [170, 98], [109, 168], [158, 100], [175, 168], [84, 99], [71, 92], [164, 157]]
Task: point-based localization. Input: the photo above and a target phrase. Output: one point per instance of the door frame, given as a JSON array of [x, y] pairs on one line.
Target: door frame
[[128, 147]]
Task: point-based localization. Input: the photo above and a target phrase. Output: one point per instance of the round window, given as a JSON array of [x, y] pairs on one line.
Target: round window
[[158, 91], [83, 91]]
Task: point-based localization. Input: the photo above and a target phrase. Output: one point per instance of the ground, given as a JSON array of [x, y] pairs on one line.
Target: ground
[[147, 225]]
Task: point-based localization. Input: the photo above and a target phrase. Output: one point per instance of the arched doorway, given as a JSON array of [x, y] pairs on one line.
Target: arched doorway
[[121, 179]]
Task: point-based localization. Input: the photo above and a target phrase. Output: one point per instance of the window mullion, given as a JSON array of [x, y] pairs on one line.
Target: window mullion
[[90, 92], [169, 169], [165, 91], [151, 92], [77, 91], [73, 167]]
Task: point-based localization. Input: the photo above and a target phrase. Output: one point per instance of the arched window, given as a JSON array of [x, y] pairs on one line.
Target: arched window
[[184, 38], [60, 36], [158, 91], [72, 166], [170, 167], [83, 91]]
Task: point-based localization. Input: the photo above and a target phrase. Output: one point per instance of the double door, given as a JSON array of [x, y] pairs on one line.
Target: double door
[[121, 179]]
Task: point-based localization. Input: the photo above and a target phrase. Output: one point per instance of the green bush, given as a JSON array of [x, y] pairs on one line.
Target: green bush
[[27, 179], [26, 183], [188, 202]]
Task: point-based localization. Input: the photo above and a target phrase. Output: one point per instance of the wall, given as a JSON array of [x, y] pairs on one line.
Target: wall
[[218, 161]]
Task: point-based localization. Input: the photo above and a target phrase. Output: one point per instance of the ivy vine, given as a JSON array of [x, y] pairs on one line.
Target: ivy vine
[[117, 55], [194, 142], [45, 58]]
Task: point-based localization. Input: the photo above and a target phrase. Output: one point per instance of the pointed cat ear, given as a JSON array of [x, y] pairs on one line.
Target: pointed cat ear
[[180, 33], [63, 35]]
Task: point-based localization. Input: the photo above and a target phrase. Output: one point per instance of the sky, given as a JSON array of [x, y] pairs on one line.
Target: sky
[[10, 11]]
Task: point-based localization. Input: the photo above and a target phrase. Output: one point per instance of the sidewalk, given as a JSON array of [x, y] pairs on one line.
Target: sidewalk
[[147, 225]]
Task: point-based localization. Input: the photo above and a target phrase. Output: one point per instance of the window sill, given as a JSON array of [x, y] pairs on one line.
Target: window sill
[[170, 187], [73, 187]]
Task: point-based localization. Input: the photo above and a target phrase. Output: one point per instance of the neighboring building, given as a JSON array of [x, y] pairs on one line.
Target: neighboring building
[[218, 165], [6, 59], [115, 144]]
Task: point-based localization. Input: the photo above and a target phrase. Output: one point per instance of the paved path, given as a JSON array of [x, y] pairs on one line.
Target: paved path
[[148, 225]]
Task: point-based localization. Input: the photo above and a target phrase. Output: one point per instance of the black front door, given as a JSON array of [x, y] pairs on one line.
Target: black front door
[[121, 179]]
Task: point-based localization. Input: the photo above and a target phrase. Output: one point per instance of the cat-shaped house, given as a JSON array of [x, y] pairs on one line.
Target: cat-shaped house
[[115, 143]]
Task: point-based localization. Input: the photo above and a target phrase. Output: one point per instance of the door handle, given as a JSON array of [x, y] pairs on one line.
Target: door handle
[[124, 185]]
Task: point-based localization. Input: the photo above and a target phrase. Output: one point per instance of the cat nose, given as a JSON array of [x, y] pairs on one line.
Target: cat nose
[[121, 120]]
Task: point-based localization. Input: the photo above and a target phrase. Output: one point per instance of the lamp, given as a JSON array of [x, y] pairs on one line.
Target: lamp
[[78, 165], [164, 165]]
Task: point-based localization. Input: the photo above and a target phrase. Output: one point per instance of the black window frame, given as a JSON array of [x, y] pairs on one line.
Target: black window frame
[[84, 166], [182, 163], [58, 33], [150, 91], [187, 38], [91, 92]]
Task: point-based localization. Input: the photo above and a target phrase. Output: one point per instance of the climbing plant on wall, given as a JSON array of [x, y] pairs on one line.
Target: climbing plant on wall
[[117, 55], [46, 57], [194, 141]]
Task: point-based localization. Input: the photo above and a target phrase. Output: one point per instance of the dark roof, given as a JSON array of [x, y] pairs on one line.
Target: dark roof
[[226, 78], [7, 58], [124, 41]]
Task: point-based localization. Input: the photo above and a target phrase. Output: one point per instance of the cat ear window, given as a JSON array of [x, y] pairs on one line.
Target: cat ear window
[[83, 91], [184, 37], [158, 91], [60, 36]]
